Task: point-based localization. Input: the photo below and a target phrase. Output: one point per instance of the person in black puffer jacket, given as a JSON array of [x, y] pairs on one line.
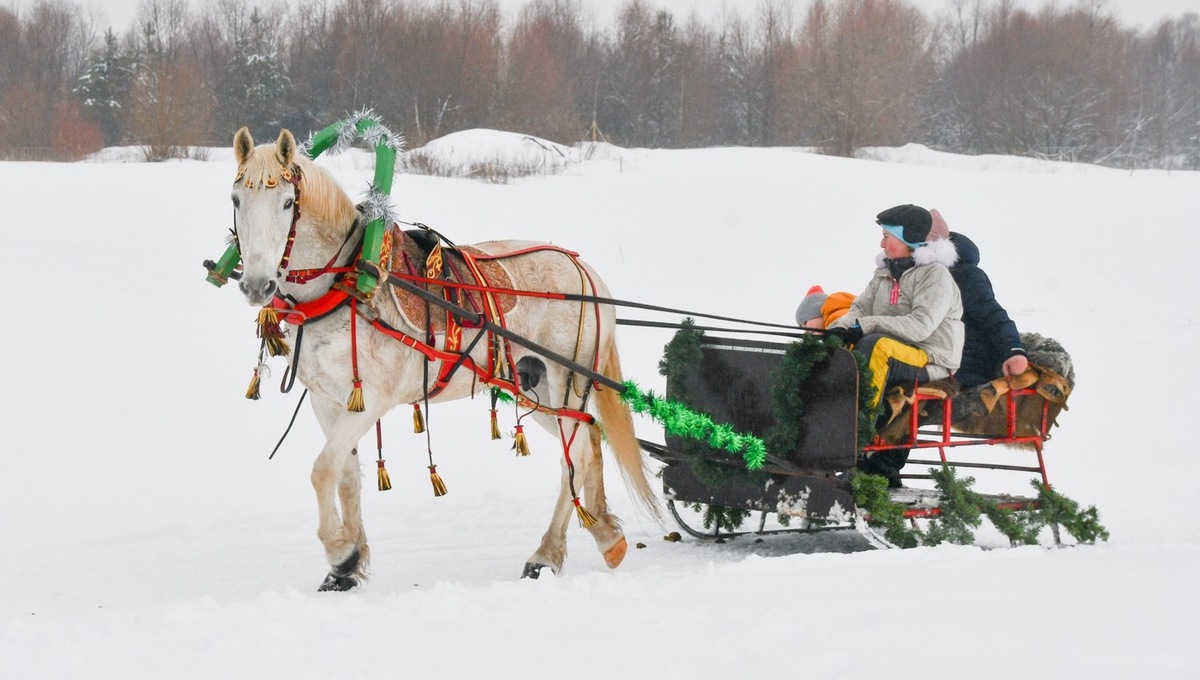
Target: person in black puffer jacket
[[992, 346]]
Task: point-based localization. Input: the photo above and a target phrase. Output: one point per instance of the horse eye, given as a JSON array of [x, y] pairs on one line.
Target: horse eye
[[287, 205], [237, 202]]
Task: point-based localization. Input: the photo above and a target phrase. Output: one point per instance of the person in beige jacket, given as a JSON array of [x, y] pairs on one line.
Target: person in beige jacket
[[908, 321]]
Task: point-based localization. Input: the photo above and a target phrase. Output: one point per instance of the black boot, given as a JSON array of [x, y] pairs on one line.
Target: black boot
[[887, 464]]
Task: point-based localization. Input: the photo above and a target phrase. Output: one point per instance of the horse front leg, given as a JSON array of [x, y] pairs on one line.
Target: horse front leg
[[336, 479]]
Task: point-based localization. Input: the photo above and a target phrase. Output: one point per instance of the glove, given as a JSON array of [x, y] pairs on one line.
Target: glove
[[1016, 365], [848, 336]]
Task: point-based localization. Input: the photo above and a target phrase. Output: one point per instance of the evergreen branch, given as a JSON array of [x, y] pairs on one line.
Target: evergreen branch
[[1058, 509]]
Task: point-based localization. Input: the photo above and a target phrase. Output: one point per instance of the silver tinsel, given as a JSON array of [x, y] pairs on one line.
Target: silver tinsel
[[378, 206], [347, 131]]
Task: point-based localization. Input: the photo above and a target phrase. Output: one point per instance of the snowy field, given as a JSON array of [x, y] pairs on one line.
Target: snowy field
[[146, 535]]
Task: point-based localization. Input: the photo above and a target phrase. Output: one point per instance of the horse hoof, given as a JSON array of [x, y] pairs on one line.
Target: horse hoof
[[348, 566], [341, 577], [616, 554], [532, 570], [339, 584]]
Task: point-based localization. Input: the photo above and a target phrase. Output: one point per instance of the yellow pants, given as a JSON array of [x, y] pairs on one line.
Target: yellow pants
[[886, 350]]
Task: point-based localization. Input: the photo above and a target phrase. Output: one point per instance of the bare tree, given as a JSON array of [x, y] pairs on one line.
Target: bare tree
[[540, 90], [44, 49], [172, 105], [867, 65], [1166, 72]]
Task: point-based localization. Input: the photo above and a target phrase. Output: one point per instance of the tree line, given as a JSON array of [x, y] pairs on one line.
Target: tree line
[[986, 76]]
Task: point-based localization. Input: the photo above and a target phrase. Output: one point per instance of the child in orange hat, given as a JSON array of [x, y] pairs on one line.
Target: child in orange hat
[[818, 310]]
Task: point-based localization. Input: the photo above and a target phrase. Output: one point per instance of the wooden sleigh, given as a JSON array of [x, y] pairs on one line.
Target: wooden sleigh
[[1002, 426]]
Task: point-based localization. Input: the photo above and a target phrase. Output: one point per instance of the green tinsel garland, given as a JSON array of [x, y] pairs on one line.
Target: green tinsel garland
[[680, 421]]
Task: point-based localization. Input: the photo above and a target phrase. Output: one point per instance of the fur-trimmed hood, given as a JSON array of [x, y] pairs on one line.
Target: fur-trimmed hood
[[940, 251]]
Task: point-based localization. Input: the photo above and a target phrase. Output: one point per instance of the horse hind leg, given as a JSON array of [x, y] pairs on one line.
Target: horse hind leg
[[588, 476], [607, 533]]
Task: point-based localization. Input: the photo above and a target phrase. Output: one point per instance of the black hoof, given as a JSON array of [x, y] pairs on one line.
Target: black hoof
[[341, 577], [339, 584], [532, 570]]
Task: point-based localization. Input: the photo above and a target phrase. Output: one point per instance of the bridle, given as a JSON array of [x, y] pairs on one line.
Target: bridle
[[301, 276]]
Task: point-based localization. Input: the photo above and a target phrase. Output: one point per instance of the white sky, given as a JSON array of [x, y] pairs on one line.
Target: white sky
[[120, 13]]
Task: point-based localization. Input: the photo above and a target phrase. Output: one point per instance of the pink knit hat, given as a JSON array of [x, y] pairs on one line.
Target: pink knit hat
[[940, 229]]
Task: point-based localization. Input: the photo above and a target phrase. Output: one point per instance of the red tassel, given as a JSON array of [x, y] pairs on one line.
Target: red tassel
[[271, 333]]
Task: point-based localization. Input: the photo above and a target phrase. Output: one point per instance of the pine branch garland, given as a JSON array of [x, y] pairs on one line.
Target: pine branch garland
[[871, 496], [1058, 509], [962, 510]]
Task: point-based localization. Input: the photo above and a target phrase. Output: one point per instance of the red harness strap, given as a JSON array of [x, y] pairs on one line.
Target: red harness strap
[[299, 313]]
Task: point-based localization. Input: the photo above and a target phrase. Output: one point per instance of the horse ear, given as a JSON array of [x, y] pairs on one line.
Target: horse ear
[[285, 148], [243, 144]]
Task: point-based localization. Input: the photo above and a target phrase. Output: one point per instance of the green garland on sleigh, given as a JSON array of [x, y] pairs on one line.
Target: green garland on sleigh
[[787, 395], [681, 360]]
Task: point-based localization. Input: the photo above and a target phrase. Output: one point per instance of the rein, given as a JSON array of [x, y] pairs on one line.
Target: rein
[[576, 297]]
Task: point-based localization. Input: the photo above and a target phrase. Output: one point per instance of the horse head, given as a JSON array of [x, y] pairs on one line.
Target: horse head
[[266, 209]]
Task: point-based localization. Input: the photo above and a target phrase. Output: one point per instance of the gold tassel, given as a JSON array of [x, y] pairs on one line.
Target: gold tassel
[[252, 391], [585, 518], [520, 443], [439, 487], [418, 419], [495, 426], [271, 333], [356, 398], [385, 482]]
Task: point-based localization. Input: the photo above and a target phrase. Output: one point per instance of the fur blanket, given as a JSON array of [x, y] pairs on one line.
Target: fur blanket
[[982, 409]]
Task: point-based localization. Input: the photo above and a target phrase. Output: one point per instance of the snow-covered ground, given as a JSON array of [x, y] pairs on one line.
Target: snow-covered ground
[[146, 535]]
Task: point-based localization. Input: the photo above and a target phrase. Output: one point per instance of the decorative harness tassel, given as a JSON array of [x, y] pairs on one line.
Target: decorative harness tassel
[[585, 518], [418, 420], [385, 482], [252, 392], [271, 333], [439, 487], [495, 393], [520, 443], [356, 395]]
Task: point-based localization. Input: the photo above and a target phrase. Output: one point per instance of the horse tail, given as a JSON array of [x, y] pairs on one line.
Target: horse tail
[[617, 422]]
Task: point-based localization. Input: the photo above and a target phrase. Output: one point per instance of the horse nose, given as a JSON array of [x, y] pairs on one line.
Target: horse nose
[[258, 291]]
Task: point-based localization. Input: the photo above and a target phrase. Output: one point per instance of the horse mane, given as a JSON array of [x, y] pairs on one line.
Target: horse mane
[[323, 202]]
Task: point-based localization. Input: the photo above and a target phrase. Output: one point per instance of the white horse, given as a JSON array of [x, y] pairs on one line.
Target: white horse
[[280, 196]]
